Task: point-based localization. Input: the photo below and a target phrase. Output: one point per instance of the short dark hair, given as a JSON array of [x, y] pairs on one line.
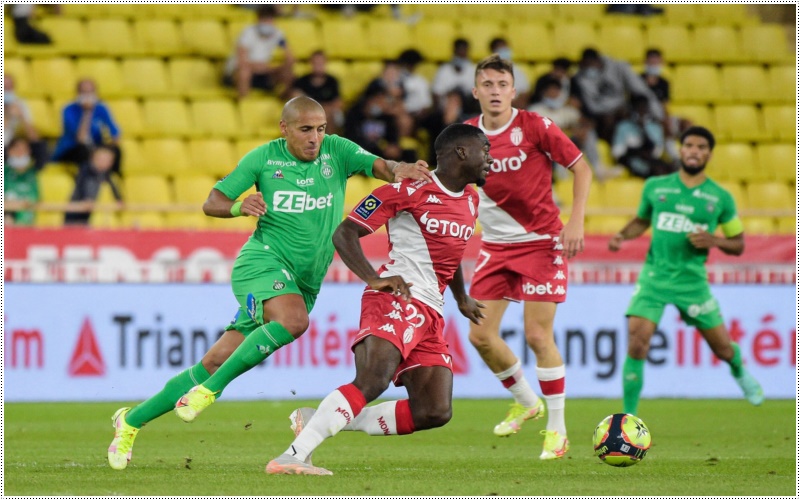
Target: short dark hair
[[549, 81], [267, 11], [496, 63], [699, 132], [652, 52], [410, 57], [495, 42], [590, 54], [454, 134], [562, 63], [460, 42]]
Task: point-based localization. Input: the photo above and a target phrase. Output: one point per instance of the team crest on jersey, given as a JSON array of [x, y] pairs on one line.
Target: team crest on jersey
[[327, 171], [471, 205], [278, 174], [367, 207], [278, 285], [710, 207], [516, 136], [662, 198]]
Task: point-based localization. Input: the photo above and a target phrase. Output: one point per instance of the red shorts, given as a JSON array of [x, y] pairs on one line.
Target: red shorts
[[534, 272], [415, 328]]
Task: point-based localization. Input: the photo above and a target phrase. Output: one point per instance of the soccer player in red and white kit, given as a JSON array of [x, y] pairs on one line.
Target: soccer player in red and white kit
[[401, 337], [525, 247]]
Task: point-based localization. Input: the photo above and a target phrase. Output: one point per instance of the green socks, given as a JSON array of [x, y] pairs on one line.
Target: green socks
[[632, 382], [261, 342], [165, 400], [736, 361]]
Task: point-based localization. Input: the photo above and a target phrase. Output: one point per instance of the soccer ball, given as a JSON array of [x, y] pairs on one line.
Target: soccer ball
[[621, 440]]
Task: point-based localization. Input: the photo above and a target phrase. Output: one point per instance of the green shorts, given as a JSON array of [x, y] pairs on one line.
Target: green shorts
[[256, 280], [697, 306]]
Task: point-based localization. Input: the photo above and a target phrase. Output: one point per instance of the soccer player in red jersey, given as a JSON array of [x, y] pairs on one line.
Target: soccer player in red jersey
[[401, 338], [525, 247]]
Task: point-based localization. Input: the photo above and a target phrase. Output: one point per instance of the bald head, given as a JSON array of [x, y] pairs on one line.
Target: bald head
[[298, 106]]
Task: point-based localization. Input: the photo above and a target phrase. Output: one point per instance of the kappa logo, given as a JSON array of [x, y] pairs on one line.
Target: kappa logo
[[433, 199], [558, 261], [395, 315], [86, 361], [559, 275], [547, 122], [388, 328]]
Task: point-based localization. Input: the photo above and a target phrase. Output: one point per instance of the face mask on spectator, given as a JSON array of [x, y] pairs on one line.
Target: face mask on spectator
[[375, 110], [9, 96], [592, 73], [266, 30], [652, 70], [460, 62], [505, 53], [551, 103], [87, 98], [18, 162]]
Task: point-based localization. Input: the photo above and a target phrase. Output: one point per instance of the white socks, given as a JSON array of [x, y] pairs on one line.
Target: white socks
[[551, 381], [514, 380]]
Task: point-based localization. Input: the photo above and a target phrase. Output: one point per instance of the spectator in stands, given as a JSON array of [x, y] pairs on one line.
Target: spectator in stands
[[323, 88], [500, 47], [88, 123], [453, 83], [91, 176], [561, 72], [371, 126], [654, 64], [253, 64], [390, 82], [604, 87], [24, 31], [419, 98], [20, 188], [17, 119], [639, 141]]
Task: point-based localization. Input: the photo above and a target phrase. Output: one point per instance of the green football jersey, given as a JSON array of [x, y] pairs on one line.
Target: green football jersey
[[674, 211], [305, 202]]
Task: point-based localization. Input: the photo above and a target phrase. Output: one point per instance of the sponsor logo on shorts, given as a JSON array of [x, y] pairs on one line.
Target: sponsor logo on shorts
[[388, 328], [543, 289], [278, 285], [251, 306], [368, 206], [558, 261], [395, 315], [559, 275], [706, 307], [299, 202]]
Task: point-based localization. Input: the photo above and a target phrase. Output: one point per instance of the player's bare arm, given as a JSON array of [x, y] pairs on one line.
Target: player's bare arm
[[396, 171], [346, 240], [469, 307], [733, 245], [632, 230], [219, 205], [572, 234]]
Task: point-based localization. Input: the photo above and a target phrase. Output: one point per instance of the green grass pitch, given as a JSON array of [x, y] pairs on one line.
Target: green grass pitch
[[700, 447]]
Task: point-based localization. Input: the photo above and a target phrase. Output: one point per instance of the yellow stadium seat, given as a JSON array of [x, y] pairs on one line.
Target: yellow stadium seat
[[195, 78], [20, 70], [766, 43], [480, 34], [596, 201], [214, 157], [115, 11], [345, 39], [163, 10], [142, 220], [186, 221], [782, 83], [674, 40], [745, 84], [128, 115], [531, 41], [69, 35], [145, 77], [303, 36], [260, 117], [535, 12], [434, 38], [111, 37], [621, 41], [759, 225], [55, 76], [787, 225], [718, 44], [244, 146], [387, 38], [206, 38], [192, 190], [735, 162], [737, 191], [732, 14], [698, 114], [215, 117], [571, 38], [147, 191], [235, 224], [681, 13], [159, 37], [167, 117], [10, 45], [106, 73], [780, 160], [167, 156], [780, 122], [361, 73], [46, 120], [55, 186], [770, 195], [357, 189], [698, 83], [223, 12], [133, 160], [606, 224], [104, 219], [623, 193], [584, 12], [739, 123]]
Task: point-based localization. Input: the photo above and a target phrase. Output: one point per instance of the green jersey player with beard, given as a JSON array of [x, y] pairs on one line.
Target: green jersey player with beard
[[277, 275], [684, 209]]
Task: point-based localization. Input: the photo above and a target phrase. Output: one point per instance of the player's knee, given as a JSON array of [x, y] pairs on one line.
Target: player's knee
[[296, 325], [638, 345], [539, 338], [372, 387], [432, 416], [480, 340]]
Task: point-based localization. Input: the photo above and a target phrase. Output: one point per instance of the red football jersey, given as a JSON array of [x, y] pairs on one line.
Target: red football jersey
[[517, 201], [428, 226]]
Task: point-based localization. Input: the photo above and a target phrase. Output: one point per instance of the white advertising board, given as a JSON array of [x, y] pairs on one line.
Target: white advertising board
[[122, 342]]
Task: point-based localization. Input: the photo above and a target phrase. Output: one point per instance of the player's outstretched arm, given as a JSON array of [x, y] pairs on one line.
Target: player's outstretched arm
[[632, 229], [346, 240], [219, 205], [394, 171], [469, 307]]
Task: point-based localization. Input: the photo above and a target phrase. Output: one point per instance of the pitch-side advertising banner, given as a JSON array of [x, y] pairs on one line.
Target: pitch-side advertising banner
[[123, 342]]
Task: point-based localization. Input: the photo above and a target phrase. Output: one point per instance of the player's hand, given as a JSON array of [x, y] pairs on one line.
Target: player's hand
[[471, 309], [571, 238], [418, 171], [702, 240], [395, 285], [254, 205], [615, 243]]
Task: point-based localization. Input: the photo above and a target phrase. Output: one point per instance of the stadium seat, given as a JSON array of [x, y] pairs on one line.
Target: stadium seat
[[766, 43], [167, 156], [623, 193], [206, 38], [260, 117], [698, 114], [620, 41], [674, 40], [479, 33], [780, 122], [104, 219], [345, 39], [361, 73], [147, 191], [698, 83], [159, 37], [21, 71], [213, 157], [106, 72], [186, 221], [730, 14], [571, 38], [302, 36], [146, 77], [195, 78], [531, 41], [192, 190], [105, 214], [215, 118], [54, 77], [357, 189], [606, 224], [134, 161], [782, 83], [780, 160], [128, 115], [737, 191], [747, 84], [583, 12], [770, 195], [759, 225], [46, 119], [55, 186], [734, 162], [142, 220], [596, 202], [739, 123], [220, 12], [69, 36], [787, 225], [114, 11], [244, 146], [684, 14], [163, 11], [718, 44], [111, 37], [434, 38], [531, 12], [166, 117], [387, 38]]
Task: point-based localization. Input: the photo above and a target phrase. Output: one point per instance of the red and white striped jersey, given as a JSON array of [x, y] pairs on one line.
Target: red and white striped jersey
[[517, 201], [428, 226]]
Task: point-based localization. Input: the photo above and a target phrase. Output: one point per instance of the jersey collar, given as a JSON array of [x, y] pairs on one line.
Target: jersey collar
[[446, 191], [514, 113]]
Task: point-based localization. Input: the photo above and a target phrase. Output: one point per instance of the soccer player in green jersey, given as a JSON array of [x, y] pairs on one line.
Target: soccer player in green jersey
[[684, 209], [277, 275]]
